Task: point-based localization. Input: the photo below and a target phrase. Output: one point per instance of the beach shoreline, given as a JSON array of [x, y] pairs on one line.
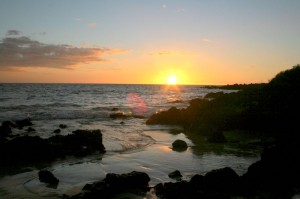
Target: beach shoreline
[[157, 160]]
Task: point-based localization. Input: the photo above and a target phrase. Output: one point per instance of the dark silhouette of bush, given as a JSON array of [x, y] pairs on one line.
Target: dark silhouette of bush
[[270, 108]]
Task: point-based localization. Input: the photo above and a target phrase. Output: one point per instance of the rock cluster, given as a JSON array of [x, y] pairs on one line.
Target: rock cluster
[[26, 149], [114, 184]]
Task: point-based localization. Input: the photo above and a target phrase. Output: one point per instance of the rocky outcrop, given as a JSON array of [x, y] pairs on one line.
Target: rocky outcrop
[[220, 183], [114, 184], [32, 149], [214, 95], [171, 116], [275, 176], [6, 127], [5, 130], [23, 123], [79, 143], [176, 175]]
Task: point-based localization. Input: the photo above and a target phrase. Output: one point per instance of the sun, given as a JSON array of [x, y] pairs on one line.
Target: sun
[[172, 80]]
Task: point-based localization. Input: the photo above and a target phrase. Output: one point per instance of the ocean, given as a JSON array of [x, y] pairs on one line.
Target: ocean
[[89, 106], [129, 142]]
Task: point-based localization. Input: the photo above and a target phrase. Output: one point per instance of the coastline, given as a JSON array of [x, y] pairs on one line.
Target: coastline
[[157, 160], [274, 175]]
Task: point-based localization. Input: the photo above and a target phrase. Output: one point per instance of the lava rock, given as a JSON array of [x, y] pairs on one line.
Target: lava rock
[[179, 145], [47, 177], [176, 175], [224, 180], [56, 131], [62, 126], [113, 184], [24, 122]]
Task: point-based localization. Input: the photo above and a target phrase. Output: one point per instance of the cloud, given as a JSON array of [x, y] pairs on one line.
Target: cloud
[[170, 53], [164, 6], [19, 52], [206, 40], [13, 33], [92, 25]]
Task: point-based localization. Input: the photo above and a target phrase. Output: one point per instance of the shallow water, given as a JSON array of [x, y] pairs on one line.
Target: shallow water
[[156, 159]]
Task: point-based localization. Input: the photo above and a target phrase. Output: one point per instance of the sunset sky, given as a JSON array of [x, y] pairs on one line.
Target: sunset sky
[[204, 42]]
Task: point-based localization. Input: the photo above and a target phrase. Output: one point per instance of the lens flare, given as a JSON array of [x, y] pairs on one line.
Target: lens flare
[[136, 104]]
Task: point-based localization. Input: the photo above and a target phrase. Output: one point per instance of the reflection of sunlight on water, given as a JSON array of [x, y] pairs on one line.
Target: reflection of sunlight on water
[[172, 93], [173, 88], [165, 148]]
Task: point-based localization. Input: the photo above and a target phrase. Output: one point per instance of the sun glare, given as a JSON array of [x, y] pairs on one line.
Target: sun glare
[[172, 80]]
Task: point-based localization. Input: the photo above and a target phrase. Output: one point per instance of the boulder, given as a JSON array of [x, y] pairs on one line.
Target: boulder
[[179, 145], [224, 180], [9, 124], [5, 131], [117, 115], [62, 126], [47, 177], [24, 122], [56, 131], [114, 184], [195, 188], [176, 175], [131, 180]]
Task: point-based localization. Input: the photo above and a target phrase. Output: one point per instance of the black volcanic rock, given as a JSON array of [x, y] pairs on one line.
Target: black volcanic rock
[[171, 116], [5, 131], [113, 184], [47, 177], [179, 145], [24, 122], [56, 131], [62, 126], [176, 175], [117, 115], [29, 150], [79, 143], [224, 180]]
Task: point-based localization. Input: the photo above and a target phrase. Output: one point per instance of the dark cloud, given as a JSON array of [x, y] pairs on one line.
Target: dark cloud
[[13, 33], [23, 52]]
